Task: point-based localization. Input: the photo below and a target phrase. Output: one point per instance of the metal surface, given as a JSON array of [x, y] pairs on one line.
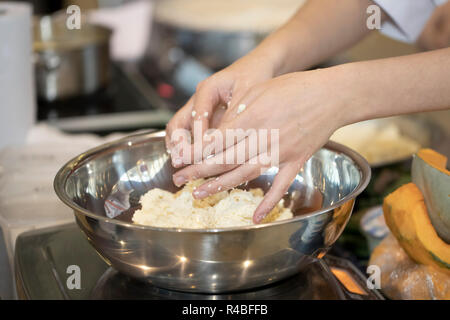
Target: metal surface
[[43, 256], [69, 62], [215, 49], [207, 260], [314, 282], [128, 102], [6, 285]]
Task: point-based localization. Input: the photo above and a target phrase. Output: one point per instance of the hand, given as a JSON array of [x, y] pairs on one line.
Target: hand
[[208, 104], [305, 108], [436, 34]]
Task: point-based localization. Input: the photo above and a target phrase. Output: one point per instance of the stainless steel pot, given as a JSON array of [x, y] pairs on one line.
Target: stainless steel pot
[[190, 56], [216, 33], [69, 63], [207, 260], [213, 49], [212, 46]]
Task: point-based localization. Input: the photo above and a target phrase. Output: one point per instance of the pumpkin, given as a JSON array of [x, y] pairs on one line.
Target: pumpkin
[[433, 180], [434, 159], [407, 217]]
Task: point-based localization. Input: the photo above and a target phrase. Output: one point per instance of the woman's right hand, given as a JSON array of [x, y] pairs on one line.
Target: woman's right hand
[[211, 98]]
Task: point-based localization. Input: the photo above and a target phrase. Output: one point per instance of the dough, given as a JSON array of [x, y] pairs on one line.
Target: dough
[[233, 208]]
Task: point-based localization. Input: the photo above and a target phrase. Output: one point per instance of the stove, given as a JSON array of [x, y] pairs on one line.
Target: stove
[[46, 261], [129, 102]]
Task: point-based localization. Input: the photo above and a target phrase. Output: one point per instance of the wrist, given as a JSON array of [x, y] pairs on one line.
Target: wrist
[[351, 97], [270, 55]]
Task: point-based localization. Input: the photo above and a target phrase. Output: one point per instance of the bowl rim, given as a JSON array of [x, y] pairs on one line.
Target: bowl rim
[[67, 169]]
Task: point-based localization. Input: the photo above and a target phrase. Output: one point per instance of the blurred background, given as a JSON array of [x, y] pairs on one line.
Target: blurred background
[[133, 63]]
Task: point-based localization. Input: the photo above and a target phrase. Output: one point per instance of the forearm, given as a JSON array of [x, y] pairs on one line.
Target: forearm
[[318, 31], [395, 86]]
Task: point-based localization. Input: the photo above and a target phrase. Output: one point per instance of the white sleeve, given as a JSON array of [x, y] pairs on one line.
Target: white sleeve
[[408, 17]]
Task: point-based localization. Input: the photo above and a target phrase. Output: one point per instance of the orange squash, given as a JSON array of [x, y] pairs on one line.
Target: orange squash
[[434, 159], [406, 215]]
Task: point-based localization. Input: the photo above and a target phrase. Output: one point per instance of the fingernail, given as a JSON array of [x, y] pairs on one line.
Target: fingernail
[[176, 162], [257, 218], [200, 194], [179, 180]]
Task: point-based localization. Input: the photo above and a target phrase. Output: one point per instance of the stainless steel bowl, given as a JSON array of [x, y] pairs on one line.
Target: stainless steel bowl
[[207, 260]]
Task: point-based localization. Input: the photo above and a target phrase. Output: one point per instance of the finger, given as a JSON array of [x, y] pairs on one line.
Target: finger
[[237, 94], [280, 186], [217, 116], [217, 140], [222, 162], [198, 171], [180, 120], [238, 153], [178, 136], [207, 97], [231, 179], [234, 127], [180, 151]]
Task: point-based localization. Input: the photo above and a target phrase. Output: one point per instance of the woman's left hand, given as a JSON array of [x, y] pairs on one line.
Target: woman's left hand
[[303, 108]]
